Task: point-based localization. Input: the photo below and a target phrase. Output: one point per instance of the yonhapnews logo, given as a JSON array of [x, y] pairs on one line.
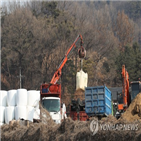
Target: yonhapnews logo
[[95, 126]]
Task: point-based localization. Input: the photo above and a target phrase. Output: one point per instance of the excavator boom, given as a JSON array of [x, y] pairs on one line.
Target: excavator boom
[[125, 85], [57, 74]]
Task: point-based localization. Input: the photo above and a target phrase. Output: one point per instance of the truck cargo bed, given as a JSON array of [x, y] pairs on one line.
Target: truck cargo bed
[[98, 101]]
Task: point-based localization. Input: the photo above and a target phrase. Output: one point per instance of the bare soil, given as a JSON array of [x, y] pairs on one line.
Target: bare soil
[[133, 113], [69, 130]]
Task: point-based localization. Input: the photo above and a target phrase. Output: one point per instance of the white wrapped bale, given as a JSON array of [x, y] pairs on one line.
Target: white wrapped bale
[[81, 80], [30, 113], [21, 97], [33, 98], [11, 97], [2, 114], [20, 112], [3, 98], [9, 114]]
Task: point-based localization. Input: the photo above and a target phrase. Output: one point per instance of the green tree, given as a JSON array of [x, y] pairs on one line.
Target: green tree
[[133, 9], [131, 57], [50, 9], [137, 51]]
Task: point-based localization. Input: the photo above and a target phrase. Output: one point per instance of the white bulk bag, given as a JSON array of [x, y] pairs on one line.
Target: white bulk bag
[[36, 113], [9, 114], [20, 112], [33, 98], [3, 98], [2, 114], [81, 80], [11, 97], [30, 113], [21, 97]]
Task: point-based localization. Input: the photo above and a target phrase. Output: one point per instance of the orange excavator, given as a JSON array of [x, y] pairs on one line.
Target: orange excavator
[[127, 96], [125, 90], [124, 97], [50, 94]]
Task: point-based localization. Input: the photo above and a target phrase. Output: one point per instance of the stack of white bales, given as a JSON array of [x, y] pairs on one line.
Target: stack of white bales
[[3, 103], [19, 104]]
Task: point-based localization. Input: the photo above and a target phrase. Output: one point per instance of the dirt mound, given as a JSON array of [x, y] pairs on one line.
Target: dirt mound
[[45, 116], [68, 130], [133, 113], [110, 119], [79, 93]]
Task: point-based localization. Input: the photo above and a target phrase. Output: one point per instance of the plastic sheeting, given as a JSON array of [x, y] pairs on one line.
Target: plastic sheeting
[[81, 80], [11, 97], [33, 98], [2, 114], [30, 113], [36, 113], [20, 112], [9, 114], [3, 98], [21, 97]]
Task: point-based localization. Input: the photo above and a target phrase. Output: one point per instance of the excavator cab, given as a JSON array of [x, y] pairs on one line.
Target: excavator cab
[[135, 89]]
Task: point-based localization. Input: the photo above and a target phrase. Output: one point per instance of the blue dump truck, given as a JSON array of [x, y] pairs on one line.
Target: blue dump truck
[[98, 101]]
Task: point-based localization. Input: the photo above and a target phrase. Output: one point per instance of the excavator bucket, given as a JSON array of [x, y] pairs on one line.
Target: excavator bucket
[[82, 52]]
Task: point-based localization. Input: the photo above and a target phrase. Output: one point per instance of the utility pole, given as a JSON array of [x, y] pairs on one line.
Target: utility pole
[[20, 77]]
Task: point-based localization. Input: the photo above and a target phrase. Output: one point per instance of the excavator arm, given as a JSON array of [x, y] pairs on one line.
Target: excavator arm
[[125, 85], [125, 90], [57, 74]]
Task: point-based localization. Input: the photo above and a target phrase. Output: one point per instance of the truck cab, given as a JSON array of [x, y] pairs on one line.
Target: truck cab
[[52, 105], [50, 96]]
